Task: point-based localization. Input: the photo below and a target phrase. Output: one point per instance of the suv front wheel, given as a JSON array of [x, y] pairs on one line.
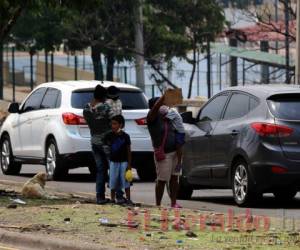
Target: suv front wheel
[[54, 163], [8, 165]]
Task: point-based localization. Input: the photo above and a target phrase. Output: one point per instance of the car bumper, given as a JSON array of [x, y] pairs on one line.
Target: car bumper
[[265, 180], [86, 158], [75, 143]]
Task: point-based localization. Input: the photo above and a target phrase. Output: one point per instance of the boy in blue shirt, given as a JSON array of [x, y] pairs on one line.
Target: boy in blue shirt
[[120, 157]]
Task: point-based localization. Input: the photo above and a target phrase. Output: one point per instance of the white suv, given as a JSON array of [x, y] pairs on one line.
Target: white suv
[[48, 128]]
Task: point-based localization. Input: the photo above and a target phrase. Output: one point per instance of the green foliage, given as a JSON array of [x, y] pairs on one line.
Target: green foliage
[[40, 28]]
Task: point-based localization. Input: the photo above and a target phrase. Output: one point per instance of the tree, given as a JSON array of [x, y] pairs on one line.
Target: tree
[[184, 25], [10, 10], [104, 25], [46, 31]]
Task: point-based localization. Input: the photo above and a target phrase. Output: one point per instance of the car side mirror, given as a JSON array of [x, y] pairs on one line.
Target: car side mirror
[[14, 108], [187, 117]]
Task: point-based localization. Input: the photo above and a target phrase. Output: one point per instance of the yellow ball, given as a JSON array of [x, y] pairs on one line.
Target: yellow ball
[[128, 175]]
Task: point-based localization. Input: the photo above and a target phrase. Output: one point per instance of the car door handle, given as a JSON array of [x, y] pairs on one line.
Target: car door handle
[[46, 118], [235, 132]]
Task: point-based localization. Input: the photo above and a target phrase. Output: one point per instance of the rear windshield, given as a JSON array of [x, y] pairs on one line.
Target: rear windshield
[[285, 106], [130, 99]]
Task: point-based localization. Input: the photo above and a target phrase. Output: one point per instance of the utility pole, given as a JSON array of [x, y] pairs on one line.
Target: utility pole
[[276, 20], [297, 73], [139, 47], [208, 68], [233, 65], [287, 45]]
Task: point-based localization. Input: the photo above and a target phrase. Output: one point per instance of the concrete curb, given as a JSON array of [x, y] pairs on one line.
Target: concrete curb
[[43, 242]]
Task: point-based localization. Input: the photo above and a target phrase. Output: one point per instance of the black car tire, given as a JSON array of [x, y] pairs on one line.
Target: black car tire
[[244, 193], [185, 191], [55, 167], [285, 194], [146, 172], [8, 164]]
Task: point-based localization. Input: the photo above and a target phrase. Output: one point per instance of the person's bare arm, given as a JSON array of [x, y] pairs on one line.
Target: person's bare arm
[[154, 111], [129, 157]]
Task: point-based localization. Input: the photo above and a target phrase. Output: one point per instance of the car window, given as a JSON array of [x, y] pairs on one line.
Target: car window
[[34, 100], [285, 106], [213, 110], [130, 99], [253, 103], [50, 99], [237, 107]]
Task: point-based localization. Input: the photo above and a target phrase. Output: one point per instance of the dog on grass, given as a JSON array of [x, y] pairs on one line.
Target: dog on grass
[[35, 187]]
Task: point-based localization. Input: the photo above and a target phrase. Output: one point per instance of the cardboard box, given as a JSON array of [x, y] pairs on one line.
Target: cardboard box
[[173, 97]]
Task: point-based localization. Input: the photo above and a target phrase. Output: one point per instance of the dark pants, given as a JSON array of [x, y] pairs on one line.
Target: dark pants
[[102, 167], [101, 170]]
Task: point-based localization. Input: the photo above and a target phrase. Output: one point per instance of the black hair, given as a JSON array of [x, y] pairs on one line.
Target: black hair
[[100, 92], [113, 92], [120, 119], [152, 102]]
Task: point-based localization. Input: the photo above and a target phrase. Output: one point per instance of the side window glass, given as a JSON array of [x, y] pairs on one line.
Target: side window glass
[[253, 103], [213, 110], [58, 101], [238, 106], [34, 101], [50, 99]]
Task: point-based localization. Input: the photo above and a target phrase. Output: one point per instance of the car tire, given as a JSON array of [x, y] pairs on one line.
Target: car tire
[[147, 172], [55, 167], [243, 190], [185, 191], [8, 164], [285, 194]]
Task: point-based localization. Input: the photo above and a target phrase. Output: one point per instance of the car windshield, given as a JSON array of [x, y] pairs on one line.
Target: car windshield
[[285, 106], [130, 99]]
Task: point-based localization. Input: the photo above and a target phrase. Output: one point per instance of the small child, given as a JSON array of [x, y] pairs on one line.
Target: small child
[[120, 157], [113, 100], [176, 120]]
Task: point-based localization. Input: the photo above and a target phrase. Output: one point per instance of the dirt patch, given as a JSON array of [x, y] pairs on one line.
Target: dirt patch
[[141, 227]]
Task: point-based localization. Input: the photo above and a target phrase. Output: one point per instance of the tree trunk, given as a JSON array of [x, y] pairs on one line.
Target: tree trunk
[[31, 53], [1, 70], [97, 63], [46, 66], [193, 72], [110, 65]]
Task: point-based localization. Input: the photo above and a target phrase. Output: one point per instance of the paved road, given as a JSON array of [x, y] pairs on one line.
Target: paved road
[[217, 200]]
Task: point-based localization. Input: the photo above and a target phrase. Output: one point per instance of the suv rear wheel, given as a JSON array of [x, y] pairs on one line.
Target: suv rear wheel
[[147, 172], [8, 165], [242, 185], [185, 191], [54, 163]]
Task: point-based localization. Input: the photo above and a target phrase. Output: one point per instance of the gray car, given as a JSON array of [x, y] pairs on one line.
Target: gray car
[[247, 139]]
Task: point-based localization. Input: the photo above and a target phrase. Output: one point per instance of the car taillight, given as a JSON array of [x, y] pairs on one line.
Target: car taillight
[[141, 121], [269, 129], [72, 119], [278, 170]]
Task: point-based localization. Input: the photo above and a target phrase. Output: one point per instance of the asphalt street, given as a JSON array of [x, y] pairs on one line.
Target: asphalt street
[[215, 200]]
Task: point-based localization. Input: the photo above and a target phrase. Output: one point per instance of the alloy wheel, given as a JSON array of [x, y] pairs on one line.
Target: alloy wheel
[[240, 183], [51, 160], [5, 155]]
